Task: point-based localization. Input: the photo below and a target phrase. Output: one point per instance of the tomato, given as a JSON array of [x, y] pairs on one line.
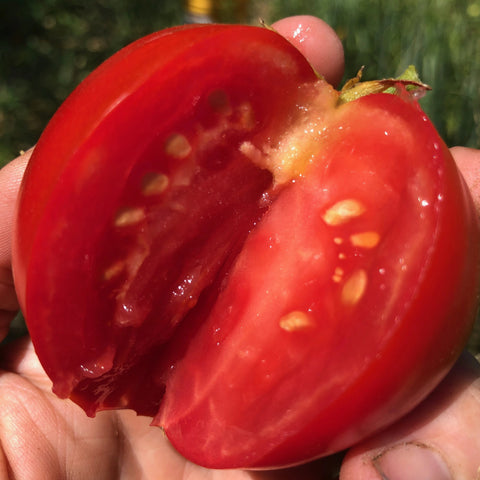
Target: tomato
[[208, 236]]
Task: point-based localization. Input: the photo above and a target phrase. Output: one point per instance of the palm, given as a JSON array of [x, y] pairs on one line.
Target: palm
[[46, 437], [57, 440]]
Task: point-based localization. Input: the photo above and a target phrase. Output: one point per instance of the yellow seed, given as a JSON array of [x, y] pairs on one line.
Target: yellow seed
[[343, 211], [296, 320], [338, 241], [338, 275], [365, 239], [129, 216], [354, 287], [178, 146], [154, 183], [114, 270]]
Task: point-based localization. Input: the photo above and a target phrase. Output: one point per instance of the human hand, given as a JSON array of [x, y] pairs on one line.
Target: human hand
[[45, 437]]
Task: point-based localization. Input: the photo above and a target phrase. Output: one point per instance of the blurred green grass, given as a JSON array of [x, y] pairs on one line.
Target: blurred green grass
[[441, 38], [48, 47]]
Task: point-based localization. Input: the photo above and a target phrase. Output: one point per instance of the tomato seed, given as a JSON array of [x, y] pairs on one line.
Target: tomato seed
[[338, 275], [354, 287], [295, 321], [365, 239], [113, 271], [154, 184], [129, 216], [343, 211], [178, 146]]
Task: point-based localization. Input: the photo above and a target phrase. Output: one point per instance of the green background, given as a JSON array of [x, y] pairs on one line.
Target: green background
[[48, 47]]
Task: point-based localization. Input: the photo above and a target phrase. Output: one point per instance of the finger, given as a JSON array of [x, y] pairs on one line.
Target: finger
[[468, 161], [10, 178], [437, 441], [318, 42]]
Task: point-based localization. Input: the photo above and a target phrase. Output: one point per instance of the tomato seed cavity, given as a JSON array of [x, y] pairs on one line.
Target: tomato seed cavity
[[219, 102]]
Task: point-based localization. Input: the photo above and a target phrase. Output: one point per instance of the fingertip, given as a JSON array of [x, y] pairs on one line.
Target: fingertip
[[318, 42], [468, 162]]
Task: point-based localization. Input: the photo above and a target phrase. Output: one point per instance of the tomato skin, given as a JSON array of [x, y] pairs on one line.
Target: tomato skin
[[208, 308]]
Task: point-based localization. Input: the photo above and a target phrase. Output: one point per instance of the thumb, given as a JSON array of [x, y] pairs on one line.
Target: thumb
[[438, 441]]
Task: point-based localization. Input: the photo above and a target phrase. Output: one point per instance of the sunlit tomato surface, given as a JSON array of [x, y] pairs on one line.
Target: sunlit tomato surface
[[207, 236]]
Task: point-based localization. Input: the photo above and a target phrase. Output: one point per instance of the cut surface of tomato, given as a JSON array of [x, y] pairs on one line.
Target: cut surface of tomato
[[207, 236]]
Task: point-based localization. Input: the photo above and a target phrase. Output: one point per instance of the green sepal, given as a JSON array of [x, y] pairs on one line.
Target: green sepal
[[408, 81]]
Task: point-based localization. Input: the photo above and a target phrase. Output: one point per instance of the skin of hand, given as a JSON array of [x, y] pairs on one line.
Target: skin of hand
[[42, 436]]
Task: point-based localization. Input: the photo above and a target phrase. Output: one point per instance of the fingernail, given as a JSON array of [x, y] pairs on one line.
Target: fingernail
[[411, 461]]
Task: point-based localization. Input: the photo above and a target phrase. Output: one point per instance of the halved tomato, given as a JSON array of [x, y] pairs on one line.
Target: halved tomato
[[206, 235]]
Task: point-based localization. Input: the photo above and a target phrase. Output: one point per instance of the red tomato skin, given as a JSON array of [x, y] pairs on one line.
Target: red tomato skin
[[209, 429]]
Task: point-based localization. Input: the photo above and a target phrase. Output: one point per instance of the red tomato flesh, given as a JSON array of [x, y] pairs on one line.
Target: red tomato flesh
[[207, 237]]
